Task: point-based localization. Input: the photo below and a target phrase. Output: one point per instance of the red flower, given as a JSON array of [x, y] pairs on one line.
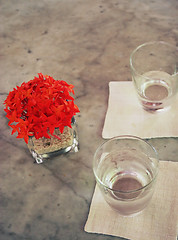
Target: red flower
[[39, 106]]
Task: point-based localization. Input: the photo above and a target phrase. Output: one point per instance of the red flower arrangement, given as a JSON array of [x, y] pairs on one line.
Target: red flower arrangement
[[39, 106]]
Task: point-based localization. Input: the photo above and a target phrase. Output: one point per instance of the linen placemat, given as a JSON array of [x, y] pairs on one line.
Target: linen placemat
[[125, 115], [158, 221]]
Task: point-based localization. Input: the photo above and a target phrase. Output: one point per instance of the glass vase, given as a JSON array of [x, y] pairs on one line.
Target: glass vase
[[46, 148]]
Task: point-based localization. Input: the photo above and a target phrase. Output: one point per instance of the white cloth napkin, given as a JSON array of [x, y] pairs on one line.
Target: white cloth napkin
[[125, 115], [158, 221]]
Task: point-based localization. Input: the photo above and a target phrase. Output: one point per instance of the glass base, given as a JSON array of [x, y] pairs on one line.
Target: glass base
[[154, 107]]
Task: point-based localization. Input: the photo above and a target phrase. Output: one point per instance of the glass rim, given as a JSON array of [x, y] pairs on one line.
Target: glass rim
[[126, 137], [144, 45]]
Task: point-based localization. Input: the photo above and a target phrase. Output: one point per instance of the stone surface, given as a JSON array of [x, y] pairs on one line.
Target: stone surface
[[86, 43]]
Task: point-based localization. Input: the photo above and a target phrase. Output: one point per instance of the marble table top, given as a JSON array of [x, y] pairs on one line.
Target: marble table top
[[86, 43]]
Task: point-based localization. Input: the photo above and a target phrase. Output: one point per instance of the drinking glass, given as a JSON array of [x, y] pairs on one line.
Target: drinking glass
[[154, 73], [126, 168]]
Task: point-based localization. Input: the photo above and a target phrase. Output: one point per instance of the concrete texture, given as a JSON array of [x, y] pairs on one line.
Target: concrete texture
[[86, 43]]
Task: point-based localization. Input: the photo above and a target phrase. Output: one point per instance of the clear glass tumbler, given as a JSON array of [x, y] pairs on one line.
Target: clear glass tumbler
[[126, 168], [154, 73]]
